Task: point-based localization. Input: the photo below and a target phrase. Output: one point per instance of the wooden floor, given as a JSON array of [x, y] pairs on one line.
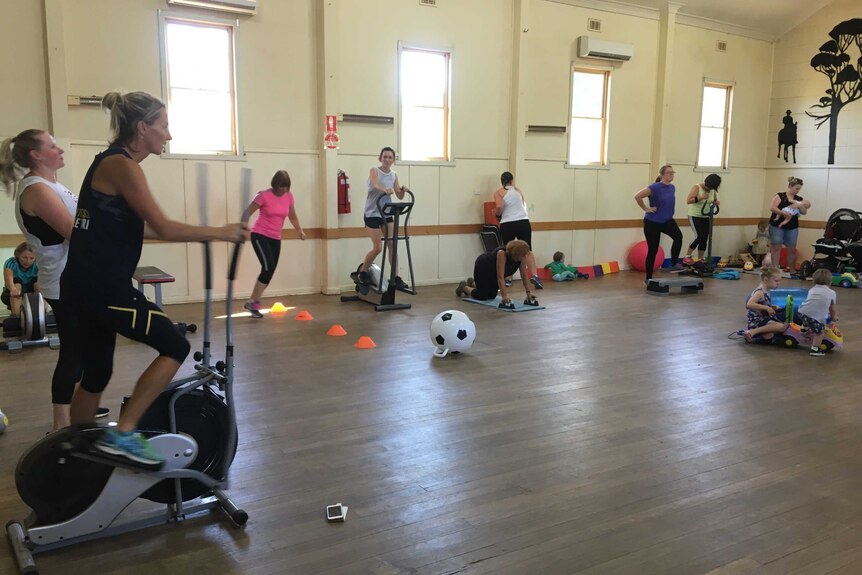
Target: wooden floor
[[613, 432]]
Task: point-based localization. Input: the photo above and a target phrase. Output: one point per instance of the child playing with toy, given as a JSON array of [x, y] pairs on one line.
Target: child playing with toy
[[20, 274], [817, 308], [761, 314], [760, 243], [562, 272]]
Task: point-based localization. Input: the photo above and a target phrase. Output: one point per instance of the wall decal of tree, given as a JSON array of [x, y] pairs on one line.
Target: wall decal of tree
[[835, 61]]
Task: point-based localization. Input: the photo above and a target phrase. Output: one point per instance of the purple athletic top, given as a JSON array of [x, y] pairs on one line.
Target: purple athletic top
[[662, 198]]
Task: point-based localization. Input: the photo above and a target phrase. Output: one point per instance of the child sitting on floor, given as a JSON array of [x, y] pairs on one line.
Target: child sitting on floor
[[761, 314], [562, 272]]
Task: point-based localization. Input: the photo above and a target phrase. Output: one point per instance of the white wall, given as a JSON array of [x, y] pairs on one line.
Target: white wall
[[114, 45], [796, 86]]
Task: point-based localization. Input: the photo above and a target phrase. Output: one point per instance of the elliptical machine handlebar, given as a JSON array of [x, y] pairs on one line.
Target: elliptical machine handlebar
[[710, 208]]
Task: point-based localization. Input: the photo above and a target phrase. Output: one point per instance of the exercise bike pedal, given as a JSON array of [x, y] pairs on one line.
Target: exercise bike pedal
[[531, 301], [509, 305]]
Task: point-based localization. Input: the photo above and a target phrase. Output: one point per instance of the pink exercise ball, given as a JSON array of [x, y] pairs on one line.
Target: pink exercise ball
[[637, 257]]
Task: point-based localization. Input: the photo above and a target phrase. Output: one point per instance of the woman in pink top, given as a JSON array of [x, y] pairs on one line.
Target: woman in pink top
[[275, 204]]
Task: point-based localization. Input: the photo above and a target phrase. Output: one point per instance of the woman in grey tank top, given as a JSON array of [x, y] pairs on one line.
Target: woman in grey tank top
[[382, 182]]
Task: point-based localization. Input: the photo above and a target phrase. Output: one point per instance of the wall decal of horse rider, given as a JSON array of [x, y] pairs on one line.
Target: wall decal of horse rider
[[787, 136], [844, 71]]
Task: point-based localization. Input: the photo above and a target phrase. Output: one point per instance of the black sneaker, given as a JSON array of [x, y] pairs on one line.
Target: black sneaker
[[102, 412], [508, 282], [400, 283], [364, 278], [459, 291], [816, 352]]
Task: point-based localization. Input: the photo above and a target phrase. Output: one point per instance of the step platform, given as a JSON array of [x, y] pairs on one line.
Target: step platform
[[663, 286]]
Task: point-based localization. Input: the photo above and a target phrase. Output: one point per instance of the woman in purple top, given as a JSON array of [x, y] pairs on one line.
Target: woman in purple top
[[659, 218]]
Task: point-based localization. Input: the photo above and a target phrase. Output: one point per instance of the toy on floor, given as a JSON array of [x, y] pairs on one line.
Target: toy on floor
[[845, 280], [452, 332]]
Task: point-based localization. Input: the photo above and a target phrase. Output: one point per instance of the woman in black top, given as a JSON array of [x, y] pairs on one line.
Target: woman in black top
[[492, 268], [784, 221], [116, 211]]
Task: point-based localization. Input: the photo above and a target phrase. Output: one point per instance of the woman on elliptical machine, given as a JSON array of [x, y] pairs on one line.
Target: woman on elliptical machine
[[115, 212], [382, 181]]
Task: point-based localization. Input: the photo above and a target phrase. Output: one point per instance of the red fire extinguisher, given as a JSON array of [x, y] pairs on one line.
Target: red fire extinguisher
[[343, 189]]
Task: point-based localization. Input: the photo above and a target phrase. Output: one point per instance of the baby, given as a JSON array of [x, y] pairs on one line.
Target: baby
[[789, 212], [562, 272]]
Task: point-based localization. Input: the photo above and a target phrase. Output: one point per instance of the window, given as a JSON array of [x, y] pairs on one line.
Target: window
[[199, 85], [588, 124], [424, 91], [714, 125]]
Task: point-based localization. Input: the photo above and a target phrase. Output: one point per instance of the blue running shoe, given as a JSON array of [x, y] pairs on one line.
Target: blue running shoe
[[131, 445], [537, 282]]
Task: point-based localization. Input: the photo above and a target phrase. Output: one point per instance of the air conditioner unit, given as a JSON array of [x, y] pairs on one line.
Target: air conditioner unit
[[604, 50], [233, 6]]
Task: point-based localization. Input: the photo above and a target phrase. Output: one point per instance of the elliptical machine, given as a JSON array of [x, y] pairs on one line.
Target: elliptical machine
[[382, 295], [76, 494]]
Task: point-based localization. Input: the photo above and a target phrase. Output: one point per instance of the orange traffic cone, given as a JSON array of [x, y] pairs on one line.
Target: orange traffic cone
[[336, 330], [364, 342], [277, 307], [303, 316]]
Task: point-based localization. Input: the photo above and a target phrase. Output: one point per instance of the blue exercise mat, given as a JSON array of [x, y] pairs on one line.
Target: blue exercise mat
[[494, 303]]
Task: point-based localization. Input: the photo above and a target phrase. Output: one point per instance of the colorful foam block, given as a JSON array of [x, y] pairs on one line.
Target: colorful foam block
[[598, 271]]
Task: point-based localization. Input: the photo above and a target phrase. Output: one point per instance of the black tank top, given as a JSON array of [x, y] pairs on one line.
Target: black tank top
[[783, 202], [490, 259], [107, 236]]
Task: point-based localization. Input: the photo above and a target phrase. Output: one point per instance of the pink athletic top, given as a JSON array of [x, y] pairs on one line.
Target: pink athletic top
[[273, 211]]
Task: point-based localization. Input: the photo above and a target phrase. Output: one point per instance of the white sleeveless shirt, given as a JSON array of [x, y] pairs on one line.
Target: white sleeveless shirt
[[514, 209], [51, 258]]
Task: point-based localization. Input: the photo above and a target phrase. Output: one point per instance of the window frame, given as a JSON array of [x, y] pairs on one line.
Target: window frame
[[448, 158], [607, 72], [729, 88], [165, 16]]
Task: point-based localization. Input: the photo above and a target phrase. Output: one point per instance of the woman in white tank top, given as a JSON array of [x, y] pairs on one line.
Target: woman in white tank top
[[44, 210], [514, 222]]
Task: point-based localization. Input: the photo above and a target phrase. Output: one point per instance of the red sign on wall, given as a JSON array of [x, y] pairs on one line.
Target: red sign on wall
[[330, 136]]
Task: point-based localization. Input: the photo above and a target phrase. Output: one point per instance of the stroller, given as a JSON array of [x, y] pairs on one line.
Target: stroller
[[840, 247]]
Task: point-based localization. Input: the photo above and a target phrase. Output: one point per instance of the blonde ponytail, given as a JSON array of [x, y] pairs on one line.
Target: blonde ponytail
[[15, 157], [127, 110]]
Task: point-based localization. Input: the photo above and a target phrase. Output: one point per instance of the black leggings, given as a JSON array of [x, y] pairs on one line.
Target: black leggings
[[119, 309], [518, 230], [69, 368], [700, 227], [267, 251], [652, 233]]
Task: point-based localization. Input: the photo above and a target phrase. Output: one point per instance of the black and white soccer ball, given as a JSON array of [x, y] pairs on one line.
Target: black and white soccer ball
[[452, 332]]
